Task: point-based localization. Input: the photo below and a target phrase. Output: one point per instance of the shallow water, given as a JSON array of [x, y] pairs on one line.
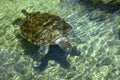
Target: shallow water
[[99, 57]]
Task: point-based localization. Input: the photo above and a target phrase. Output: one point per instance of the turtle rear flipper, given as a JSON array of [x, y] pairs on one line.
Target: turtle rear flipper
[[17, 21], [43, 50], [24, 12]]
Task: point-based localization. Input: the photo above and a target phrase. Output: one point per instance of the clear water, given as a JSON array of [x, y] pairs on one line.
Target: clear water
[[99, 57]]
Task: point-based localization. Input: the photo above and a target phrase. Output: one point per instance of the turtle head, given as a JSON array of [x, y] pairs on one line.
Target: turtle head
[[64, 44]]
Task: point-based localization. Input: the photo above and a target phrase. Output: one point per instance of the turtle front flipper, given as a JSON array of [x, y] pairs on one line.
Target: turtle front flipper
[[64, 44], [43, 50]]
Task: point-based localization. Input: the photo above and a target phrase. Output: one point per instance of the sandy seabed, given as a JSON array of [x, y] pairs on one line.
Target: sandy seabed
[[99, 57]]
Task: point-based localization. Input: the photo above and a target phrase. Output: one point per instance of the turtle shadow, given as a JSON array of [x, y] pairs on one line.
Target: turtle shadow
[[29, 48], [55, 53]]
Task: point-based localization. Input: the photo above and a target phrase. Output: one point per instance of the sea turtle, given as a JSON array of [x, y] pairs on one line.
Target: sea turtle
[[44, 29]]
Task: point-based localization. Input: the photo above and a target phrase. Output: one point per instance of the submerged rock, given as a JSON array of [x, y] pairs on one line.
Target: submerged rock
[[107, 1]]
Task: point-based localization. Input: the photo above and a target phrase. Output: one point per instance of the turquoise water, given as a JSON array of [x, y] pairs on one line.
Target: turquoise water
[[99, 57]]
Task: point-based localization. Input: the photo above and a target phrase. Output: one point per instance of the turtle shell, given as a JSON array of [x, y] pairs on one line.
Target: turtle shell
[[38, 27]]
